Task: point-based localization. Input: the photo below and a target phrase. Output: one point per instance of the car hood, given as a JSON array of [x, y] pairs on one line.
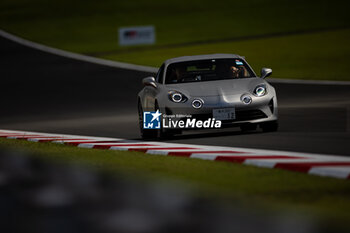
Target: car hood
[[217, 88]]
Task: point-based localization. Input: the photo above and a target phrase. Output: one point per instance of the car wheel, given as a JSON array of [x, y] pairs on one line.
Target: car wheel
[[161, 133], [148, 133], [248, 127], [271, 126], [165, 133]]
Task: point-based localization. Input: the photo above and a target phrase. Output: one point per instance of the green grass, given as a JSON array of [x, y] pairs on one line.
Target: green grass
[[325, 197], [324, 56], [91, 27]]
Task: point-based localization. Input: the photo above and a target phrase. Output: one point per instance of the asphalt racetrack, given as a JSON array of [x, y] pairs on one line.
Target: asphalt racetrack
[[53, 94]]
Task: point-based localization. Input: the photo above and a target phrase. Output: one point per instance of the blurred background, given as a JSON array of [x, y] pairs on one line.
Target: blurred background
[[299, 39], [44, 92]]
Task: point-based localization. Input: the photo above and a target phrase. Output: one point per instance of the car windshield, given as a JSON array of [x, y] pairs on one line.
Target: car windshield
[[207, 70]]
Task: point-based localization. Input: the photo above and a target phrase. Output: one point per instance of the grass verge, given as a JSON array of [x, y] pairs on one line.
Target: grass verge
[[91, 27], [323, 56], [324, 197]]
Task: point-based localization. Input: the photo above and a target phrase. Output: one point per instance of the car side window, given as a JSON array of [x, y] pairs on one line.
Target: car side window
[[160, 74]]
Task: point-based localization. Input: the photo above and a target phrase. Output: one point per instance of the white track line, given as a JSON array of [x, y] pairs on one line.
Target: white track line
[[316, 164], [76, 56], [141, 68]]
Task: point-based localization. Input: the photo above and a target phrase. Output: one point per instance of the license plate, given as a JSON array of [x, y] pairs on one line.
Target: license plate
[[224, 114]]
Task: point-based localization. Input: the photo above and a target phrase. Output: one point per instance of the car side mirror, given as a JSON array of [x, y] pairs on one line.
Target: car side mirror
[[265, 72], [149, 81]]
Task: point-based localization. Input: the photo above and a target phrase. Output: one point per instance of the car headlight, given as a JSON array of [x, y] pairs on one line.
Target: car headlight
[[177, 97], [260, 91]]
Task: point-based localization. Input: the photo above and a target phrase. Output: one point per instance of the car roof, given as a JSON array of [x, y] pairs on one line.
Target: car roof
[[201, 57]]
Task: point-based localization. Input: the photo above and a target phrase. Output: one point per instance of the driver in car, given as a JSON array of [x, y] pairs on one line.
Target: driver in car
[[235, 72]]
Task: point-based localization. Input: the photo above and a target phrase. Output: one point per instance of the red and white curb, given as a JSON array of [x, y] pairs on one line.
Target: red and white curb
[[316, 164]]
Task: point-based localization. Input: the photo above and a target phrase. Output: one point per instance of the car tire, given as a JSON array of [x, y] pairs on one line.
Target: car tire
[[165, 133], [248, 127], [162, 133], [148, 133], [270, 126]]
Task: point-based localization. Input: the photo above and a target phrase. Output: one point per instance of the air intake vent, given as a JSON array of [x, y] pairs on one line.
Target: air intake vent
[[271, 105]]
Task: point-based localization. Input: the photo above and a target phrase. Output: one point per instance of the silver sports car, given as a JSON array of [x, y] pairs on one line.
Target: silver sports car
[[206, 91]]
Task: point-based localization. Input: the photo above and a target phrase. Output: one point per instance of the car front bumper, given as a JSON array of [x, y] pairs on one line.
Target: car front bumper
[[261, 109]]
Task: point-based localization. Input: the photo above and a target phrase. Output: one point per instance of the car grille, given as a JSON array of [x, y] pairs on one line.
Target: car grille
[[249, 115]]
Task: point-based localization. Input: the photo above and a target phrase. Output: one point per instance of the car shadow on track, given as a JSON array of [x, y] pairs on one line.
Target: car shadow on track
[[205, 134]]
